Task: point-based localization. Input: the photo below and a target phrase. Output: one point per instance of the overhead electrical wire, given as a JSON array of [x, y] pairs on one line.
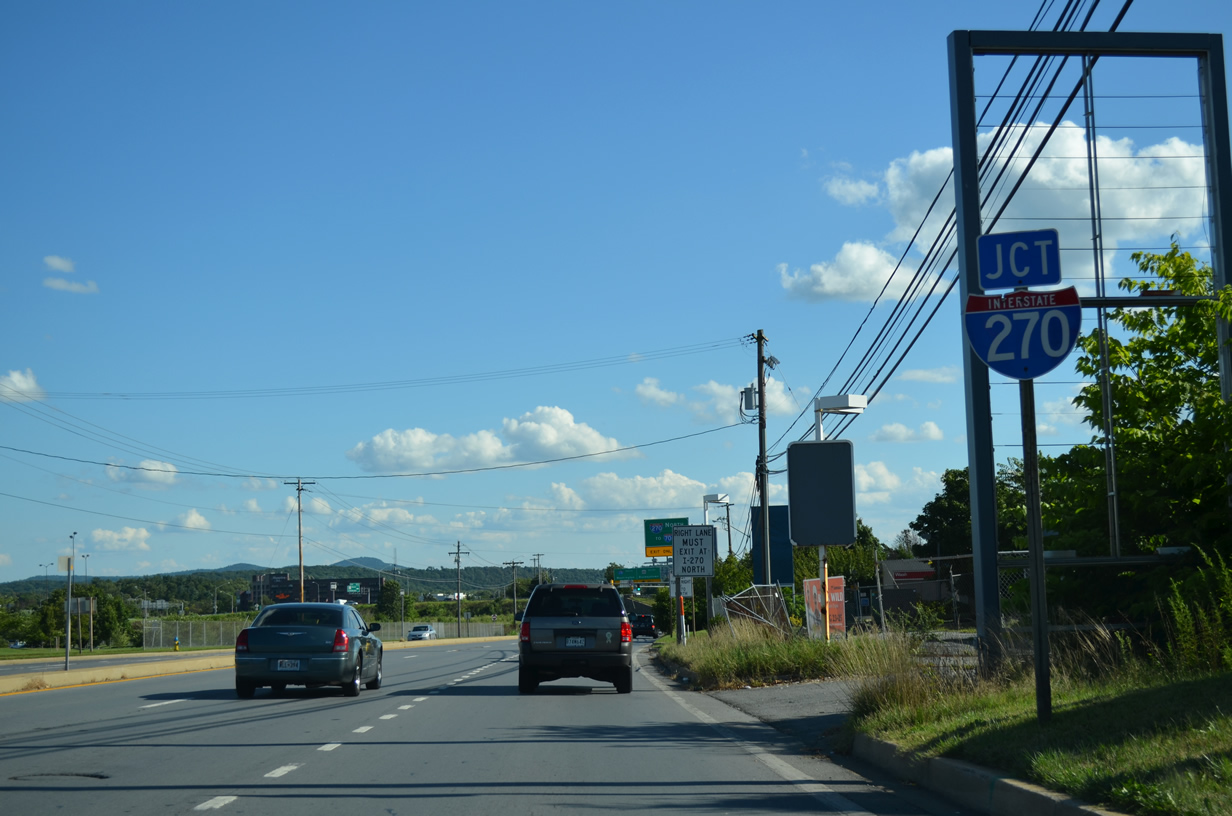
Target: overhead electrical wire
[[630, 358]]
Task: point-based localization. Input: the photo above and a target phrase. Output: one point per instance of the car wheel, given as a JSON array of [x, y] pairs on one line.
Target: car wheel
[[624, 681], [527, 682], [375, 682], [245, 689], [351, 689]]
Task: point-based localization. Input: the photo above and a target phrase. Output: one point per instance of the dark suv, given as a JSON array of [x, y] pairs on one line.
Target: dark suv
[[575, 630], [644, 625]]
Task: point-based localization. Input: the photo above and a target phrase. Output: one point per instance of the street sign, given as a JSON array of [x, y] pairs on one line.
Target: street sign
[[659, 536], [686, 588], [694, 551], [640, 574], [1024, 335], [353, 589], [1012, 259], [821, 493]]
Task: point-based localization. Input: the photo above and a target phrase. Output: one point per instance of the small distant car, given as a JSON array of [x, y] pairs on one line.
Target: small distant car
[[421, 631], [575, 630], [308, 644], [643, 625], [17, 644]]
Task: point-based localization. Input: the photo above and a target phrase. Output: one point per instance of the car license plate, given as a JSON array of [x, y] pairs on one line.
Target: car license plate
[[288, 665], [575, 641]]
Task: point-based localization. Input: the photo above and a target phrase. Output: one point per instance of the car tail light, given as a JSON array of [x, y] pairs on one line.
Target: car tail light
[[342, 642], [626, 632], [241, 641], [524, 635]]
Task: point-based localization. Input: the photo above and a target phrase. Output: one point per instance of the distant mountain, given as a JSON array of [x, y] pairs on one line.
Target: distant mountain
[[370, 563]]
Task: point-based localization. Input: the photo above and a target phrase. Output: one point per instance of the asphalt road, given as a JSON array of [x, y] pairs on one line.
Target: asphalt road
[[447, 733]]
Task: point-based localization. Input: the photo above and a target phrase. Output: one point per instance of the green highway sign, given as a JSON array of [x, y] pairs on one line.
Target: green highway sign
[[659, 536], [353, 589], [640, 574]]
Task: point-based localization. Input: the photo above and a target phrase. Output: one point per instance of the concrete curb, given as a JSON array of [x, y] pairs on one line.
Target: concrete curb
[[51, 678], [970, 785]]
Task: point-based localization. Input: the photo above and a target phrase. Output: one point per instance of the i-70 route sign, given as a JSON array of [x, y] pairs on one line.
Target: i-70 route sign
[[1023, 334]]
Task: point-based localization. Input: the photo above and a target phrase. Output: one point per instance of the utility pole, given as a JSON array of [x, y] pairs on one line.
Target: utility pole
[[763, 468], [515, 565], [299, 495], [68, 603], [538, 569], [457, 560]]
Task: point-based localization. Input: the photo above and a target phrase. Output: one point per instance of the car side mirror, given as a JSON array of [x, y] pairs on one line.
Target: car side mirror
[[517, 616], [372, 627]]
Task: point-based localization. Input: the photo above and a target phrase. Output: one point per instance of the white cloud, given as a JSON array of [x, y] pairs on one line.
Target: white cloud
[[254, 483], [127, 538], [62, 285], [57, 264], [193, 520], [944, 374], [851, 192], [665, 490], [858, 272], [566, 497], [650, 392], [6, 560], [875, 476], [543, 434], [21, 386], [151, 471], [898, 432], [1142, 192], [251, 506]]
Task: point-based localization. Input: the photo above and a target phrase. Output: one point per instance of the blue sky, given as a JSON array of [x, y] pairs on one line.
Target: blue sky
[[245, 244]]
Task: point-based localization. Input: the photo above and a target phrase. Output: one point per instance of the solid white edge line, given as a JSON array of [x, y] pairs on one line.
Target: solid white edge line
[[163, 703], [833, 801]]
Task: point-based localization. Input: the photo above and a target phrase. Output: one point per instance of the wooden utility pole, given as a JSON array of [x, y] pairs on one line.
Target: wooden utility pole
[[299, 495], [457, 560], [763, 469], [515, 565]]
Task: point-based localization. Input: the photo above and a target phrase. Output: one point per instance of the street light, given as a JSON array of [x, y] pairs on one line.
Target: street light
[[86, 569], [46, 574]]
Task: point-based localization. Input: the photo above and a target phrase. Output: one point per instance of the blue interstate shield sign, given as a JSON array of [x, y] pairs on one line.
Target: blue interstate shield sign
[[1023, 335]]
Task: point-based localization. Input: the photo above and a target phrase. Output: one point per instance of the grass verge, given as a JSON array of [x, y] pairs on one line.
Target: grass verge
[[1123, 732]]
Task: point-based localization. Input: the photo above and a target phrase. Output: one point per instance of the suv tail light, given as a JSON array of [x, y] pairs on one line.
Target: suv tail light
[[342, 641], [524, 634], [241, 641], [626, 632]]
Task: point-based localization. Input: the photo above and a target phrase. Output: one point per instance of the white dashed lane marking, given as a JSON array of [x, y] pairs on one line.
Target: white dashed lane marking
[[329, 746], [363, 729], [283, 771], [420, 699], [163, 703], [215, 803], [388, 716], [405, 707]]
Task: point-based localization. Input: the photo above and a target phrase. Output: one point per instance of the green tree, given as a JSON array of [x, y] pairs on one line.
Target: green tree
[[1172, 429], [389, 605], [945, 522]]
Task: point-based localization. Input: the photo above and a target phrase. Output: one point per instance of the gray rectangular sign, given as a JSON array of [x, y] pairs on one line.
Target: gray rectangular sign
[[821, 491]]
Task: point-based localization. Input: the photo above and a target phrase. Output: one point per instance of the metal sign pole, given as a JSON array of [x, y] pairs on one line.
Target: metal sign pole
[[1035, 543]]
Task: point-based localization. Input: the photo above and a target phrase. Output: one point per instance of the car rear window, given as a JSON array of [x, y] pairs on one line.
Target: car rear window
[[300, 617], [585, 602]]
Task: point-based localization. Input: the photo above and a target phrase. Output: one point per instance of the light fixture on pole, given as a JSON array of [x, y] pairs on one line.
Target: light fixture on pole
[[842, 404]]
